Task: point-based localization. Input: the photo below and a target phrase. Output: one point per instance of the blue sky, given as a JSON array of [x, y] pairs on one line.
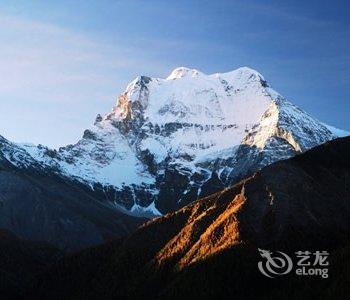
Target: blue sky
[[63, 62]]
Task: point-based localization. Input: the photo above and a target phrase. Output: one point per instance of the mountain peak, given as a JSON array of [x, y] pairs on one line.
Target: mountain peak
[[183, 72], [179, 132], [246, 69]]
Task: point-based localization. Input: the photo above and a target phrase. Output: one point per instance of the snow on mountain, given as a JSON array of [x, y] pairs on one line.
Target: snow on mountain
[[336, 131], [15, 154], [182, 72], [168, 141], [195, 114]]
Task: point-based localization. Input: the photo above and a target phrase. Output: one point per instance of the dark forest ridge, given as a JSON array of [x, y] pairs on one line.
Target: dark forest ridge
[[299, 203]]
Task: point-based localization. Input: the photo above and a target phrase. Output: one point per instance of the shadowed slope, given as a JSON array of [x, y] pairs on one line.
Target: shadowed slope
[[209, 248], [21, 261], [37, 204]]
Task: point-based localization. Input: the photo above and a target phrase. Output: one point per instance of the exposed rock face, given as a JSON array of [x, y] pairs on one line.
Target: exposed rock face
[[210, 247], [166, 139]]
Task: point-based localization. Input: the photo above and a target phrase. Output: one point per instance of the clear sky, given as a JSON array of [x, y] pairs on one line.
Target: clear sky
[[62, 62]]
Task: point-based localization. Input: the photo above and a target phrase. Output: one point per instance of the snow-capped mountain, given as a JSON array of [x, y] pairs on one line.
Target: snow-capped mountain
[[169, 141]]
